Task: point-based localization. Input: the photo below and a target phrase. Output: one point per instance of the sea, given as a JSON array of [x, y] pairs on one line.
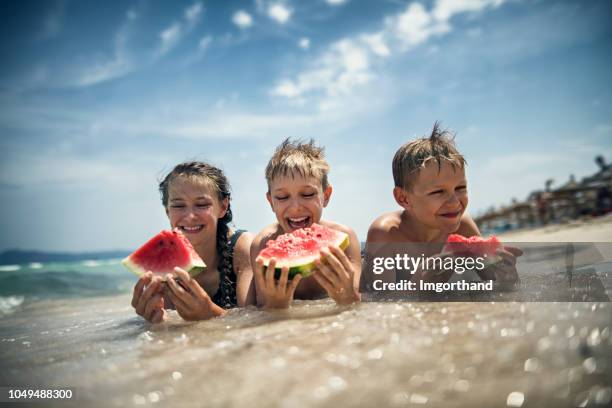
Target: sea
[[70, 326]]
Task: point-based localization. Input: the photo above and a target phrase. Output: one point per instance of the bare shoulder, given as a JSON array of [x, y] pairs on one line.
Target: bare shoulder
[[385, 227], [243, 245], [259, 241], [338, 227], [353, 239], [242, 253], [354, 249], [468, 227]]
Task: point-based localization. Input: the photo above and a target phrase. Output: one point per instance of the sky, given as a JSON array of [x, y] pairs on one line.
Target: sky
[[98, 100]]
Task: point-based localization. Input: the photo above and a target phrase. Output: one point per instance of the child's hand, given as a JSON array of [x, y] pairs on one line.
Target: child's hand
[[276, 295], [191, 301], [504, 273], [335, 273], [147, 298]]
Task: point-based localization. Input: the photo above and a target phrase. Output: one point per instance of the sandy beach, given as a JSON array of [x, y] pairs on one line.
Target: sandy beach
[[591, 230]]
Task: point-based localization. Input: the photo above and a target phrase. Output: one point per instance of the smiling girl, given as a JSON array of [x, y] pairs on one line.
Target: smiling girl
[[196, 197]]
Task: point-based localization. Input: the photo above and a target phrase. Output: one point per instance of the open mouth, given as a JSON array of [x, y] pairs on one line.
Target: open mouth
[[298, 222], [453, 214], [191, 230]]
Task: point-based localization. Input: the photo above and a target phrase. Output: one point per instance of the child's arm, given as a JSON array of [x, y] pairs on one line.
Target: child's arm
[[245, 291], [254, 251]]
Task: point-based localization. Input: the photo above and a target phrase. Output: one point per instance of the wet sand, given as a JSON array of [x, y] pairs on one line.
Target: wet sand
[[316, 354]]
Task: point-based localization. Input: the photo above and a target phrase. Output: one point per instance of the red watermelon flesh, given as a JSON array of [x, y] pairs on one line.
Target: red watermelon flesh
[[162, 253], [298, 250], [474, 246]]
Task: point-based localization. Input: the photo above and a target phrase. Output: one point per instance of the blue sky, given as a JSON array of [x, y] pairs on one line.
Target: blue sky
[[99, 99]]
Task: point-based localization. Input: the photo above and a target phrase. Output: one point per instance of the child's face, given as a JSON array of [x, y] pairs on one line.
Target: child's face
[[194, 208], [439, 198], [297, 201]]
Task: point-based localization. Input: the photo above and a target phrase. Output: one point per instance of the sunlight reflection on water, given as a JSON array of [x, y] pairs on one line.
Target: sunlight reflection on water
[[317, 354]]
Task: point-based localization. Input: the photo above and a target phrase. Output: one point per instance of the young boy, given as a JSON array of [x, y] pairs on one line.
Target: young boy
[[431, 188], [298, 190]]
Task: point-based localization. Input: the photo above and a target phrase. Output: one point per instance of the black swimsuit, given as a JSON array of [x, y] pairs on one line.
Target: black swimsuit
[[228, 300]]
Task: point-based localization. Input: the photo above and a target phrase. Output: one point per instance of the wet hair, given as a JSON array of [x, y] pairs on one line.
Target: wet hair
[[203, 172], [411, 157], [305, 159]]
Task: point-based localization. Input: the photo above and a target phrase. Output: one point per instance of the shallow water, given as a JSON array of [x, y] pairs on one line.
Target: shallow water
[[316, 354]]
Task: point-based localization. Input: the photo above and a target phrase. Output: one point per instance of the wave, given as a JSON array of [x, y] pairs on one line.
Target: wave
[[9, 304], [9, 268], [64, 283]]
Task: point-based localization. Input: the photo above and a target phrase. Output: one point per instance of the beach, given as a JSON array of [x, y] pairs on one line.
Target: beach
[[589, 230], [399, 353]]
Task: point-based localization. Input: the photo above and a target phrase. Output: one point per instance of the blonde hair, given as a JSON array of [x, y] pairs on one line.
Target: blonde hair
[[413, 156], [305, 159]]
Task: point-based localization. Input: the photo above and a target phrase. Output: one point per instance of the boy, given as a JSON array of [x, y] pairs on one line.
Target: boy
[[298, 190], [431, 188]]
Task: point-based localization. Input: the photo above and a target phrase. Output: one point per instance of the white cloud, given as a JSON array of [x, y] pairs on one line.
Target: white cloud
[[377, 44], [242, 19], [352, 62], [172, 35], [304, 43], [279, 13], [104, 70], [335, 2], [169, 38], [416, 25], [445, 9], [288, 89], [204, 42], [344, 65], [193, 13]]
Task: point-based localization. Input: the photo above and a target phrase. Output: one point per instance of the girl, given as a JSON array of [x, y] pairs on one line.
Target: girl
[[196, 197]]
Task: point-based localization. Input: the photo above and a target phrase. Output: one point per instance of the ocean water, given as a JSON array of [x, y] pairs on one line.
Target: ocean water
[[71, 325], [31, 282]]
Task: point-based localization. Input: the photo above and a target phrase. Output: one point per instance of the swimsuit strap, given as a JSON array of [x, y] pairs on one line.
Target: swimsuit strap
[[232, 242]]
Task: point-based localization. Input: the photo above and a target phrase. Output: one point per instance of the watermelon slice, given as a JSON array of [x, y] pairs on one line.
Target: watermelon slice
[[474, 246], [162, 253], [298, 250]]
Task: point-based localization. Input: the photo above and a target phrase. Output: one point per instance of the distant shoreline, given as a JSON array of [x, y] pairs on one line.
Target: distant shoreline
[[590, 230], [16, 256], [593, 230]]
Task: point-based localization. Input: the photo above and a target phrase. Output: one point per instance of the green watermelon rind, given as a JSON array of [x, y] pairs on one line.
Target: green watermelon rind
[[304, 266], [193, 268]]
